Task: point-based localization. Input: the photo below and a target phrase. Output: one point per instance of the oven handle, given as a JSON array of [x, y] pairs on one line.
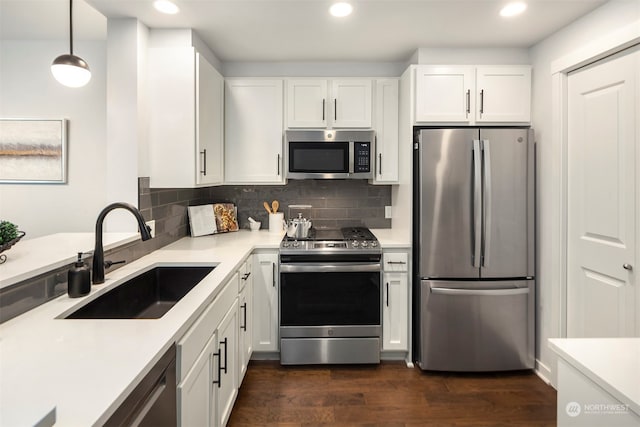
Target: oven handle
[[346, 267]]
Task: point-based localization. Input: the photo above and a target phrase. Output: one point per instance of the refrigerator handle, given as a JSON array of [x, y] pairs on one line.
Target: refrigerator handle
[[480, 292], [486, 206], [476, 237]]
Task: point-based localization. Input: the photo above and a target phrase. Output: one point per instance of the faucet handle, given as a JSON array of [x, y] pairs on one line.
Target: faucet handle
[[109, 263]]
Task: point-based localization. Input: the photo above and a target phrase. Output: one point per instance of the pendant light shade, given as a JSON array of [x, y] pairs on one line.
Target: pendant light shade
[[69, 69]]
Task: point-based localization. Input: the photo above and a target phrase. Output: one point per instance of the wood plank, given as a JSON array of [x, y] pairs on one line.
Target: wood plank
[[389, 395]]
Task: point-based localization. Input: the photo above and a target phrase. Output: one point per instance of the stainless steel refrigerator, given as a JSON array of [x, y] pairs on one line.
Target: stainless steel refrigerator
[[474, 249]]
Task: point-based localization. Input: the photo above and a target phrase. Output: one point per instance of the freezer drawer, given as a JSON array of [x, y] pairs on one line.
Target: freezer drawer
[[476, 326]]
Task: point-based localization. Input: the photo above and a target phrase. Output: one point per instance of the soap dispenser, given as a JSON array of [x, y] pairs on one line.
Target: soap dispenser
[[79, 279]]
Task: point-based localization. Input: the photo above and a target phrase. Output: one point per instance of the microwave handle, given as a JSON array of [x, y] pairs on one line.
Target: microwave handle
[[351, 157]]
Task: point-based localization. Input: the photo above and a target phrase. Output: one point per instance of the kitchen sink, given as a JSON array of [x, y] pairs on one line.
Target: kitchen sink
[[149, 295]]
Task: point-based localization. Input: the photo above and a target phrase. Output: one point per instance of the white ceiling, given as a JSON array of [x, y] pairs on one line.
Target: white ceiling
[[302, 30]]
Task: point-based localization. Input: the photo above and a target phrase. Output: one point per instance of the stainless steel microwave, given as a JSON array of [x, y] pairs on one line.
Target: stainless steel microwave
[[330, 154]]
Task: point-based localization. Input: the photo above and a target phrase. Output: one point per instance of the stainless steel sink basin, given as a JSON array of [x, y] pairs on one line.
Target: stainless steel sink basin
[[147, 296]]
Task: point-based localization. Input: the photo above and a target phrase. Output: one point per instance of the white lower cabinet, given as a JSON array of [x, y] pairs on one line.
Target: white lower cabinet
[[245, 319], [227, 370], [265, 308], [207, 363], [395, 303]]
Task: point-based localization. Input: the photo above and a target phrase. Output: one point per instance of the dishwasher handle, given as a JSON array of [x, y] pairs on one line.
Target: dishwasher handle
[[152, 399], [479, 292], [344, 267]]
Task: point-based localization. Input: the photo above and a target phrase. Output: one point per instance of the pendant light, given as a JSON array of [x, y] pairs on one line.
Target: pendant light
[[69, 69]]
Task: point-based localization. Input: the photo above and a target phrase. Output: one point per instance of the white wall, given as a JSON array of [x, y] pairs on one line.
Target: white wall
[[602, 22], [27, 89]]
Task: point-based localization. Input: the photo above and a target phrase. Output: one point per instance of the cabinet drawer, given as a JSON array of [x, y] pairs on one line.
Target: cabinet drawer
[[395, 261], [195, 339]]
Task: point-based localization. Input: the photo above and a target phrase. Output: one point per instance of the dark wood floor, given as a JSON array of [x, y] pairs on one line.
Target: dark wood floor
[[391, 395]]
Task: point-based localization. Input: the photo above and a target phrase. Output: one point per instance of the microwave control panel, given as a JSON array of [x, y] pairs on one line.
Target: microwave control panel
[[362, 155]]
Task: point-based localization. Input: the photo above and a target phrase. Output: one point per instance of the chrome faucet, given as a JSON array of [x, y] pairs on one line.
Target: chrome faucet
[[98, 252]]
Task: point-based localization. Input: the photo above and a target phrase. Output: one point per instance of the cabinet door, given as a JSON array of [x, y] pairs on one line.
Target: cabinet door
[[196, 393], [209, 122], [395, 313], [503, 94], [351, 103], [228, 347], [444, 94], [171, 83], [307, 103], [386, 126], [265, 308], [245, 324], [253, 132]]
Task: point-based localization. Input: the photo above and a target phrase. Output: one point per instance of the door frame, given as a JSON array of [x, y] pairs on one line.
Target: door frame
[[611, 44]]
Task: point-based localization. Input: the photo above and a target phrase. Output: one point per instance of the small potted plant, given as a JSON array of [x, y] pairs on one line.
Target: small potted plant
[[9, 236]]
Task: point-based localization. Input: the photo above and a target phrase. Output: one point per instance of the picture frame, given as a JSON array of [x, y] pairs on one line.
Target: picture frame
[[33, 151]]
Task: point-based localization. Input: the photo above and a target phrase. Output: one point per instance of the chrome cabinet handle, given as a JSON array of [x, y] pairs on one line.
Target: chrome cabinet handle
[[396, 262], [468, 101], [627, 266]]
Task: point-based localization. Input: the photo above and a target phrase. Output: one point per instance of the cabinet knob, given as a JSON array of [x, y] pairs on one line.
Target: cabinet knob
[[627, 266]]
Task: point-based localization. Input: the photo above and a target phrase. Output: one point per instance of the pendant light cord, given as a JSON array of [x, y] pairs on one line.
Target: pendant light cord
[[71, 27]]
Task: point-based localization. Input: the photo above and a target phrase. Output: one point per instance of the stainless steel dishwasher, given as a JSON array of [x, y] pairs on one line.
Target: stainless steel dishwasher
[[153, 402]]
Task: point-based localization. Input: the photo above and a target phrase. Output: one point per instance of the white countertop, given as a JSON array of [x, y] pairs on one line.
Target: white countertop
[[86, 368], [29, 258], [612, 363]]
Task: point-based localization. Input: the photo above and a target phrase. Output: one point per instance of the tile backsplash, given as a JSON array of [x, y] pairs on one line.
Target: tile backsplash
[[335, 203]]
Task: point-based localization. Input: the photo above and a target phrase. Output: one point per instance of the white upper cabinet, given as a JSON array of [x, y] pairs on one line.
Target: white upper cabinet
[[443, 94], [503, 94], [209, 123], [351, 103], [386, 126], [254, 131], [319, 103], [468, 95], [185, 118], [307, 103]]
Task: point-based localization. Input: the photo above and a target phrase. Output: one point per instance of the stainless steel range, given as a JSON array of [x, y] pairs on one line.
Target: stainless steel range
[[330, 298]]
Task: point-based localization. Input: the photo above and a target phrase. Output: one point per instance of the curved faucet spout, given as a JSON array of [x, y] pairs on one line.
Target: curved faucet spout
[[98, 252]]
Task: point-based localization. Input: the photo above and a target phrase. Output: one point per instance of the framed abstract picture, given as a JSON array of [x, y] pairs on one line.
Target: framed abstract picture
[[33, 151]]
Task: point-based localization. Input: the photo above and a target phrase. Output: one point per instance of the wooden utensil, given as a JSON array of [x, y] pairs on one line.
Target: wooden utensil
[[275, 205], [266, 206]]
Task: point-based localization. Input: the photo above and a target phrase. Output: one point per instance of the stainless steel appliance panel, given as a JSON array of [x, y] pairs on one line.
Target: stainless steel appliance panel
[[312, 351], [508, 203], [449, 203], [476, 325]]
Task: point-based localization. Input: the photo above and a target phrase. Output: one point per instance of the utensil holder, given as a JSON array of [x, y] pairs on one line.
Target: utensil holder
[[276, 222]]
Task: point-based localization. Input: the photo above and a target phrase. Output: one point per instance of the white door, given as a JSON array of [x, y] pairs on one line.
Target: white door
[[307, 103], [444, 94], [265, 307], [602, 171], [386, 125], [395, 311], [351, 103], [503, 94], [209, 123]]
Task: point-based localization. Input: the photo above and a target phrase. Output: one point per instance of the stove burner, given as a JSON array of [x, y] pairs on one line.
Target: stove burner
[[347, 239]]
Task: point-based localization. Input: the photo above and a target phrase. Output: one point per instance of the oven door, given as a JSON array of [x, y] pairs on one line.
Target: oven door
[[330, 300]]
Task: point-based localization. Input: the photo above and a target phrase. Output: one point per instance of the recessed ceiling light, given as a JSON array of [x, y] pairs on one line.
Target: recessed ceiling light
[[513, 9], [165, 6], [341, 9]]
